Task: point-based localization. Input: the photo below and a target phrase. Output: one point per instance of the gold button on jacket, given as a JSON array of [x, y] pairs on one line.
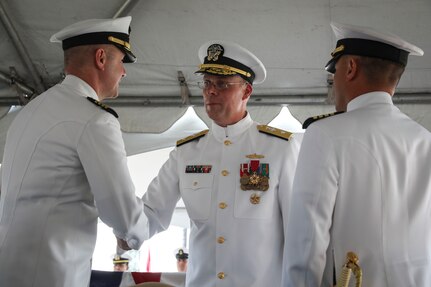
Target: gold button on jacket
[[218, 207], [220, 240], [222, 205]]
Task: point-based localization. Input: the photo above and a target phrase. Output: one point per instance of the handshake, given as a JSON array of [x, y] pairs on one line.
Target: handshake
[[122, 246]]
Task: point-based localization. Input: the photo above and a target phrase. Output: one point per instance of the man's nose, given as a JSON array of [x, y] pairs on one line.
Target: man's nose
[[211, 88]]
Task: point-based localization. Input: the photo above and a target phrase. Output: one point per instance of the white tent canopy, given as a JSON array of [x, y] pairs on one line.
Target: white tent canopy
[[293, 39]]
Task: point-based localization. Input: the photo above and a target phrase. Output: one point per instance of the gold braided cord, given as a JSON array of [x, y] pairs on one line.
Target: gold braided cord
[[226, 68], [120, 261], [338, 49], [120, 42], [344, 279], [351, 266], [358, 274]]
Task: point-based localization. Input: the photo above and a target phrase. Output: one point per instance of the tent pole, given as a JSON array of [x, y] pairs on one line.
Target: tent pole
[[25, 57]]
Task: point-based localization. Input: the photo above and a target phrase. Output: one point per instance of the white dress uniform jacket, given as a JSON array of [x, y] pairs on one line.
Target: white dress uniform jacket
[[64, 165], [362, 184], [232, 242]]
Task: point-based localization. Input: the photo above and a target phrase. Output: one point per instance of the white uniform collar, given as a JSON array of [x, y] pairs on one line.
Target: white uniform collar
[[369, 99], [221, 133], [80, 86]]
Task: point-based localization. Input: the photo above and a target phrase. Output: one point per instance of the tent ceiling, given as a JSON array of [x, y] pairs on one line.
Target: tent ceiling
[[291, 37]]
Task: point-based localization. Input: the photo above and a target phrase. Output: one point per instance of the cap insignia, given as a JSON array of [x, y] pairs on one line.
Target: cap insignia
[[274, 132], [214, 52]]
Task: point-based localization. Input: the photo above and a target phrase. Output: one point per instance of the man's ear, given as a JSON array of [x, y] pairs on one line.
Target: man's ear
[[100, 58], [247, 91], [352, 68]]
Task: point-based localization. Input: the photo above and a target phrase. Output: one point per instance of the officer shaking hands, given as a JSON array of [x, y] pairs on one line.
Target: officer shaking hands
[[363, 178], [235, 179], [64, 156]]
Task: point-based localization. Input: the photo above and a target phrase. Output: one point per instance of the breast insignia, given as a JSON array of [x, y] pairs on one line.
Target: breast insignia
[[192, 138], [274, 132], [311, 120], [103, 106]]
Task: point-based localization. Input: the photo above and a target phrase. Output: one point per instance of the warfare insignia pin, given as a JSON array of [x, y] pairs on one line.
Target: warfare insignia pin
[[253, 156]]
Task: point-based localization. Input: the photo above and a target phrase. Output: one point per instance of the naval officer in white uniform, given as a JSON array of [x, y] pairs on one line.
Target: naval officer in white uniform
[[64, 166], [363, 179], [235, 180]]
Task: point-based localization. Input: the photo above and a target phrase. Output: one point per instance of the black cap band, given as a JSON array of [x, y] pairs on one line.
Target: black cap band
[[367, 48], [120, 40], [182, 256], [93, 39]]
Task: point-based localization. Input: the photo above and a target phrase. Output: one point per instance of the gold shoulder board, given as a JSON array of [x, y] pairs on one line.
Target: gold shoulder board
[[311, 120], [103, 106], [192, 137], [274, 132]]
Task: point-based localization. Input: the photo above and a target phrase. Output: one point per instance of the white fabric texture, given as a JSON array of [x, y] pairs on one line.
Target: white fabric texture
[[252, 252], [64, 165], [362, 184]]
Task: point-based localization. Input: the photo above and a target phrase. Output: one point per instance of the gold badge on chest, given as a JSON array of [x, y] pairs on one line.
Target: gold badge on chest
[[255, 198], [254, 176]]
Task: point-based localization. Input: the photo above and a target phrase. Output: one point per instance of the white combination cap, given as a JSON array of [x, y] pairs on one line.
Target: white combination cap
[[364, 41], [227, 59], [98, 31], [182, 253]]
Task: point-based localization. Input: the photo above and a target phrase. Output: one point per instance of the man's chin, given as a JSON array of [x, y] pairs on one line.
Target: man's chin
[[211, 111], [111, 97]]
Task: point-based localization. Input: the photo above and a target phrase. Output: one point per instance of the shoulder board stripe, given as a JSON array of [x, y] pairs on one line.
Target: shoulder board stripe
[[274, 132], [311, 120], [192, 138], [103, 106]]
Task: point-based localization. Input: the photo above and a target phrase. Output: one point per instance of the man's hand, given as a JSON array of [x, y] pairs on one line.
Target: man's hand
[[123, 244]]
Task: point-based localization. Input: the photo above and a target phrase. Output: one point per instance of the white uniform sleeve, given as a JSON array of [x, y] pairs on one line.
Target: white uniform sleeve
[[286, 183], [311, 208], [102, 154], [162, 195]]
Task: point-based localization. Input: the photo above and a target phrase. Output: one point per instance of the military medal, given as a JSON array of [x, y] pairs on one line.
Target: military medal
[[254, 175], [198, 169], [255, 198]]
